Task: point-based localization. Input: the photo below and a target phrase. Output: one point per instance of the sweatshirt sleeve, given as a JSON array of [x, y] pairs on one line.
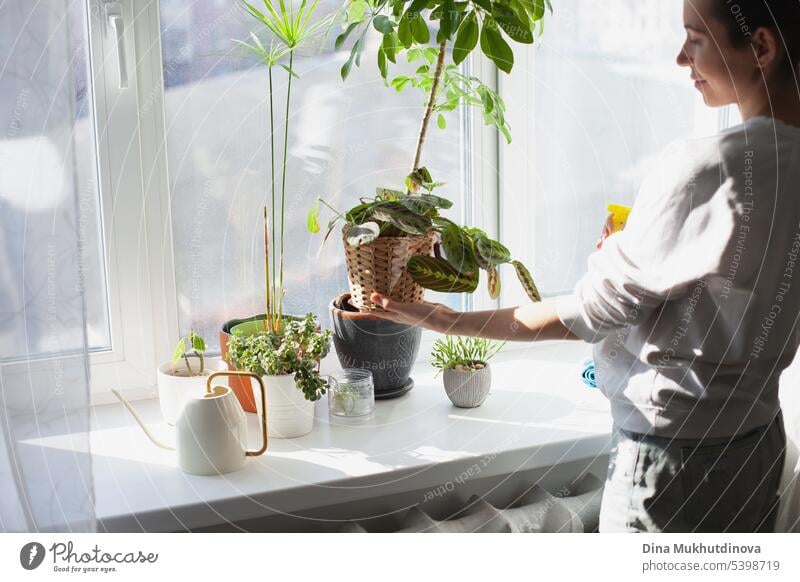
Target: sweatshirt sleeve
[[676, 234]]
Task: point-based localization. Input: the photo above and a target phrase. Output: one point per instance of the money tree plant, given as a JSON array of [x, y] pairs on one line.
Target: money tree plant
[[460, 27]]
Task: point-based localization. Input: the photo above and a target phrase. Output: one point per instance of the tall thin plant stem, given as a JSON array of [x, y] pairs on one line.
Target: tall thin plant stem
[[283, 182], [272, 180], [268, 317], [423, 130]]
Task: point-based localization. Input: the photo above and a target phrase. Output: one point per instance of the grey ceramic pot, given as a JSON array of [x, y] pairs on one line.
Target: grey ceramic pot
[[468, 389], [386, 348]]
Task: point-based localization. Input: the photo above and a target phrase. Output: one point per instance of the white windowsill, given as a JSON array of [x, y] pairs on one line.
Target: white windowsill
[[539, 414]]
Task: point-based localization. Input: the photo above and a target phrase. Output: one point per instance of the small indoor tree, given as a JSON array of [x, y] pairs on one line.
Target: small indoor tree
[[459, 28]]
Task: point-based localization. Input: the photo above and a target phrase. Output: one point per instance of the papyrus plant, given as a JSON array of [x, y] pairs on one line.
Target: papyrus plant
[[290, 25]]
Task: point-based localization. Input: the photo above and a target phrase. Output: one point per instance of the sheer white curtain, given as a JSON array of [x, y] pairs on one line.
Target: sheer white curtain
[[45, 197]]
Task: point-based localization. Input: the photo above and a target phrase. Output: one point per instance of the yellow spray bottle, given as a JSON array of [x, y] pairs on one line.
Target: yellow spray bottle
[[615, 222]]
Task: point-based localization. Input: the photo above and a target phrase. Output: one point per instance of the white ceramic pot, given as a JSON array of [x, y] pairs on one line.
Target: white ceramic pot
[[174, 390], [289, 414], [468, 389]]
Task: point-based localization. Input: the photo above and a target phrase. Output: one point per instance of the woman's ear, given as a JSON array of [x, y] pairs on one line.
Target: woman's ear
[[766, 46]]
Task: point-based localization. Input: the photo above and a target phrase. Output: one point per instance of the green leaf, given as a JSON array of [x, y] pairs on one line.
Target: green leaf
[[389, 46], [490, 252], [355, 10], [383, 24], [343, 37], [527, 281], [358, 213], [312, 220], [419, 29], [441, 122], [404, 36], [495, 47], [383, 67], [401, 217], [400, 82], [449, 17], [180, 349], [388, 193], [290, 71], [362, 234], [439, 275], [458, 247], [416, 203], [198, 343], [466, 39], [512, 25]]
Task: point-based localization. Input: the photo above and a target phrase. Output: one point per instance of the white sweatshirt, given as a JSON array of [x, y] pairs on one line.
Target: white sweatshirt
[[694, 307]]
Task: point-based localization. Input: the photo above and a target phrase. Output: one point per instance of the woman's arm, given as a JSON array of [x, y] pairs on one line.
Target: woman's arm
[[537, 321]]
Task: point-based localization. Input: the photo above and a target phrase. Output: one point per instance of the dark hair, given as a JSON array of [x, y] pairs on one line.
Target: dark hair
[[744, 17]]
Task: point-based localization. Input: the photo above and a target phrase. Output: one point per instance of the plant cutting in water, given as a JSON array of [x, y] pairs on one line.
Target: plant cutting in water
[[198, 346], [463, 353]]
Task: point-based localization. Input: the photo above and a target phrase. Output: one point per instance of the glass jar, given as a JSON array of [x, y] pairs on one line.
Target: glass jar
[[353, 393]]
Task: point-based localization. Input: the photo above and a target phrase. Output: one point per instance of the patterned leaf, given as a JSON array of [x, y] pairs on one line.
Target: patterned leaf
[[494, 283], [362, 234], [458, 247], [527, 281], [401, 217], [439, 275], [490, 252]]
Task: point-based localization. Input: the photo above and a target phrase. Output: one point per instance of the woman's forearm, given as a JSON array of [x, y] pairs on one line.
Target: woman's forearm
[[537, 321]]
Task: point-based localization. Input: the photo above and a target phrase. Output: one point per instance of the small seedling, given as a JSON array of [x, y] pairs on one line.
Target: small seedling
[[196, 344]]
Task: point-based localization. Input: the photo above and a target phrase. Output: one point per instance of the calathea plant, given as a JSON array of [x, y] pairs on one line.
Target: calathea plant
[[466, 250], [405, 26], [290, 27]]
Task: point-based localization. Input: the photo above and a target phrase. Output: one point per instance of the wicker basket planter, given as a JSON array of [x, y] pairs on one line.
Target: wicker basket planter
[[381, 266]]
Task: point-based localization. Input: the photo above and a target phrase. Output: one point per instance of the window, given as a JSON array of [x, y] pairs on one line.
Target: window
[[592, 108], [346, 140], [147, 110], [47, 154]]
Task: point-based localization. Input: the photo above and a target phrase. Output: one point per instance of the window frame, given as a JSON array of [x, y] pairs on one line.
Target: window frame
[[134, 182]]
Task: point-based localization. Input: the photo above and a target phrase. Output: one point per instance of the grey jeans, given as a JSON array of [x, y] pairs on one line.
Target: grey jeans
[[659, 484]]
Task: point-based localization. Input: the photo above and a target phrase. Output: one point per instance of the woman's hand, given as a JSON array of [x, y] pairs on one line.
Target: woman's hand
[[428, 315]]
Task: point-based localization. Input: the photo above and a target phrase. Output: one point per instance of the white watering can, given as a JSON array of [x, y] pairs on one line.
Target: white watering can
[[212, 429]]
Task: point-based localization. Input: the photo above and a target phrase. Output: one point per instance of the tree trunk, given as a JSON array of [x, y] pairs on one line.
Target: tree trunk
[[437, 77]]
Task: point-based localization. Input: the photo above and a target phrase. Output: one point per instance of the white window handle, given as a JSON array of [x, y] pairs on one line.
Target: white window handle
[[117, 24]]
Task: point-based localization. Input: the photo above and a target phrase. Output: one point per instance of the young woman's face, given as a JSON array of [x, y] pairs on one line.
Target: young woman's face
[[722, 72]]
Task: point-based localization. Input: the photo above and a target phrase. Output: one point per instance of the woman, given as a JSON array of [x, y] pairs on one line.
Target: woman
[[693, 308]]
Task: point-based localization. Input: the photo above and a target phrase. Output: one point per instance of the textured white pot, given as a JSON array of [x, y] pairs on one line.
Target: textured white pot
[[468, 389], [289, 414], [173, 390]]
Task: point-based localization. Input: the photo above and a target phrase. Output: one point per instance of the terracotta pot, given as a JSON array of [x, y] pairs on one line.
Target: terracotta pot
[[386, 348]]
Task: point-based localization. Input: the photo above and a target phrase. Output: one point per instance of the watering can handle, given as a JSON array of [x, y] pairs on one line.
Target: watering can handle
[[263, 403]]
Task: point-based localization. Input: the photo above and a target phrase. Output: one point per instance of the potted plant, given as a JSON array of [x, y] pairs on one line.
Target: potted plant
[[288, 360], [184, 375], [398, 243], [465, 363], [291, 27]]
